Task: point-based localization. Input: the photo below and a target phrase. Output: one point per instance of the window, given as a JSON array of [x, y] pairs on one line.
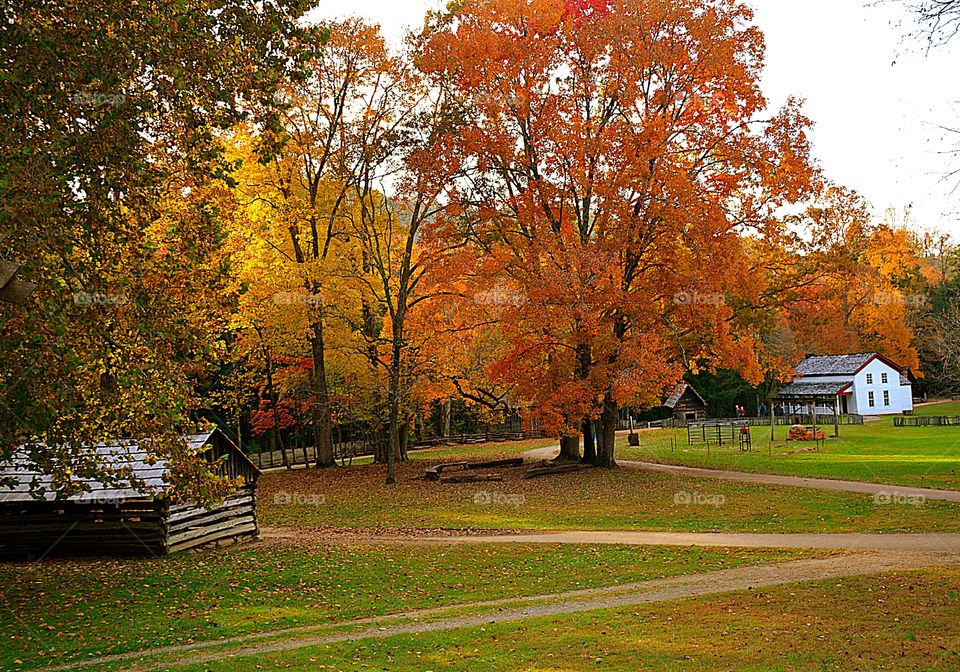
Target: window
[[870, 400], [883, 378], [869, 379], [886, 397]]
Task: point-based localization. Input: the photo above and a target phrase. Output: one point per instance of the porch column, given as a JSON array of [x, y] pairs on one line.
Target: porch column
[[813, 417], [836, 416]]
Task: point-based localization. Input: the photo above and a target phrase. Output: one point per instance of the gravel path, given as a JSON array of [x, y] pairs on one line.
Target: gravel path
[[929, 542], [892, 492]]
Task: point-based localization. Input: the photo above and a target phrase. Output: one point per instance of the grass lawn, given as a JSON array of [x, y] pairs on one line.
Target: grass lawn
[[875, 452], [69, 610], [595, 500], [940, 408], [903, 621], [481, 450]]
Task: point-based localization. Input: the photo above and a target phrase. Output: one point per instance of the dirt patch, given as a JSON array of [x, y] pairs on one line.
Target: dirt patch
[[290, 534]]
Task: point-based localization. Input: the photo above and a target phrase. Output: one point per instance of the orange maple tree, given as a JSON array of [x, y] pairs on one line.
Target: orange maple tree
[[869, 281], [616, 172]]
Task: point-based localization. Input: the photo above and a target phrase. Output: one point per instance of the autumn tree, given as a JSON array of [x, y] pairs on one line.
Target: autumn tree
[[401, 169], [304, 182], [108, 117], [616, 158], [870, 282]]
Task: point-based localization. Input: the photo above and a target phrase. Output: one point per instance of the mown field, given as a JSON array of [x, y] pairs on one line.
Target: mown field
[[904, 621], [61, 611], [69, 610], [599, 499], [875, 451]]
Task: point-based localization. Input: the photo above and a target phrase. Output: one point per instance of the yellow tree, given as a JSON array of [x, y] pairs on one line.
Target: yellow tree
[[868, 281], [295, 299], [301, 182]]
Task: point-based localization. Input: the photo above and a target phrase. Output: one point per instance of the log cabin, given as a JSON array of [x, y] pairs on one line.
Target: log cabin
[[123, 518]]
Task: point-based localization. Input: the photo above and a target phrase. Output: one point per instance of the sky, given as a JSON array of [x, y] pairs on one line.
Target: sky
[[877, 97]]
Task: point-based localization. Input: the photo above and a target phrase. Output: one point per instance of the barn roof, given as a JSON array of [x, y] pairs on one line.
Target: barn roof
[[678, 391], [123, 453], [802, 389]]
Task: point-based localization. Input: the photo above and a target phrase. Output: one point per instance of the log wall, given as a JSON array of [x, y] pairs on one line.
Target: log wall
[[34, 530]]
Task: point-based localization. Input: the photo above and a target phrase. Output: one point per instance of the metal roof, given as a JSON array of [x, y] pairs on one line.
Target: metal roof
[[834, 365], [125, 453], [807, 389], [678, 391]]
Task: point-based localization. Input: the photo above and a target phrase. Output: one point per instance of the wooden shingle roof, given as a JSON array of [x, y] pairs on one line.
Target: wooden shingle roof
[[802, 389]]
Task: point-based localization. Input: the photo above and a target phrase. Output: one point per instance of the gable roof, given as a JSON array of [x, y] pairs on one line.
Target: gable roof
[[125, 453], [840, 365], [677, 394], [834, 365]]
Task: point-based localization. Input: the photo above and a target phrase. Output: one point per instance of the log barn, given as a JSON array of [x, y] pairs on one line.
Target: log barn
[[117, 520], [686, 405]]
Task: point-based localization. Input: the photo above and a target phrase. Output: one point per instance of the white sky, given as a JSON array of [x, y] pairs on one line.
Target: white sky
[[875, 95]]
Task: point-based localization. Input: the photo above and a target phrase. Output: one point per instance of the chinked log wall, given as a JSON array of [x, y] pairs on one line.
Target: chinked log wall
[[132, 527]]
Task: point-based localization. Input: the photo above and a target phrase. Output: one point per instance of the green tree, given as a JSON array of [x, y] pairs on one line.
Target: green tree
[[109, 113]]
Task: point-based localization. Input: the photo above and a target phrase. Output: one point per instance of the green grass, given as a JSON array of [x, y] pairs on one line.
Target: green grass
[[874, 452], [481, 450], [941, 408], [903, 621], [69, 610], [598, 499]]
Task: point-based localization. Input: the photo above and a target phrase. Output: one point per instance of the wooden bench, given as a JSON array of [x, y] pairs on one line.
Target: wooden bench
[[435, 473]]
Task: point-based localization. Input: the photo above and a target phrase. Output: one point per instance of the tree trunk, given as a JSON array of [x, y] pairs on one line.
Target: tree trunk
[[570, 447], [274, 402], [404, 440], [446, 418], [322, 430], [589, 441], [393, 396], [379, 438], [608, 432]]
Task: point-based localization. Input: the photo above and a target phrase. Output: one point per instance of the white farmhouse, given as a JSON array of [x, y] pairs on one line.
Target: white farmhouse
[[866, 384]]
